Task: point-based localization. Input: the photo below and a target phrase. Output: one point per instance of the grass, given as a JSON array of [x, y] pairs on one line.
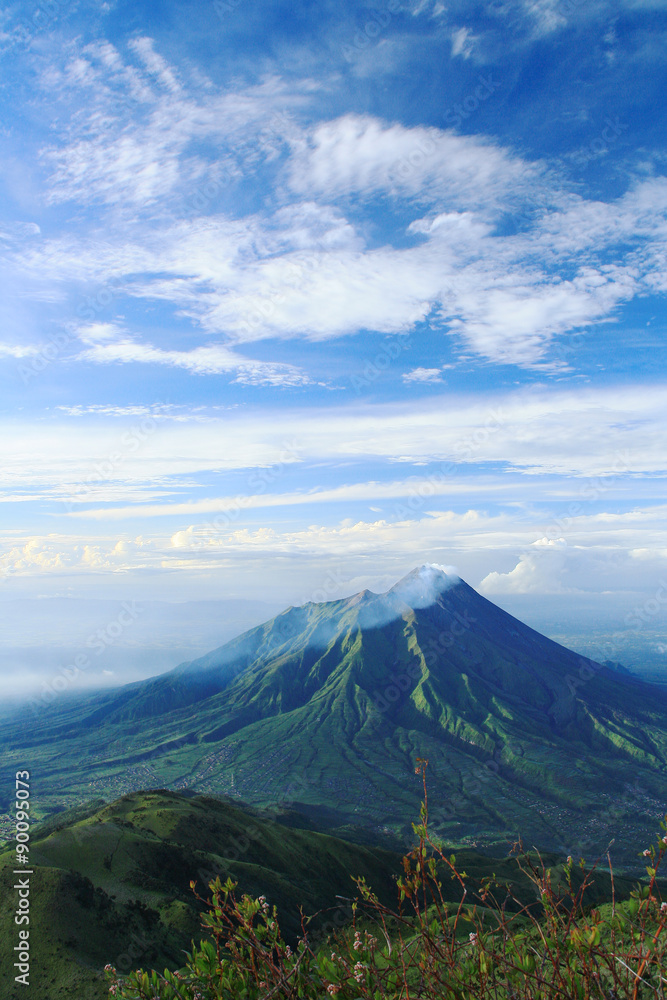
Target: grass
[[112, 883]]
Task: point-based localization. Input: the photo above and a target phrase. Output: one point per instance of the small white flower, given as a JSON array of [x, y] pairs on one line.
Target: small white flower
[[473, 937]]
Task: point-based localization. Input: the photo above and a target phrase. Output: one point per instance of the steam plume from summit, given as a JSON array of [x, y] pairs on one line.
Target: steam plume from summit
[[423, 586]]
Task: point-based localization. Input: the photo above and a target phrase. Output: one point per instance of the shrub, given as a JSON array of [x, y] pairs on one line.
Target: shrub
[[487, 946]]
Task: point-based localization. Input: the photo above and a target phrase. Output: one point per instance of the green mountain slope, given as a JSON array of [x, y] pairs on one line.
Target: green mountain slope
[[325, 708], [115, 886]]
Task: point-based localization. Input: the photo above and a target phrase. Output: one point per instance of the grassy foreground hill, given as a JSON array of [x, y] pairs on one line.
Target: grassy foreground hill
[[111, 885], [326, 706]]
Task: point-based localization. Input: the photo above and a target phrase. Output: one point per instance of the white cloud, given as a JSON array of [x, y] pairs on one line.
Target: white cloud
[[498, 307], [515, 321], [423, 375], [110, 344], [179, 413], [13, 231], [137, 143], [550, 543], [17, 350], [255, 281], [62, 555], [601, 561], [546, 16], [600, 555], [541, 572], [462, 43], [359, 154], [99, 333], [325, 296], [155, 64], [303, 267], [534, 431], [416, 491]]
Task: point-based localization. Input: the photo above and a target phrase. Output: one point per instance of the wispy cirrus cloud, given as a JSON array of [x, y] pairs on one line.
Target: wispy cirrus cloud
[[110, 344], [422, 487], [463, 42], [623, 438], [138, 141], [303, 267]]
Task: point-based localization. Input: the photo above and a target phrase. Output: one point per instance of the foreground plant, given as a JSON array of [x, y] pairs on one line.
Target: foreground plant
[[487, 945]]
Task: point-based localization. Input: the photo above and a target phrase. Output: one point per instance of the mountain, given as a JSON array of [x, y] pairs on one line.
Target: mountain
[[325, 708]]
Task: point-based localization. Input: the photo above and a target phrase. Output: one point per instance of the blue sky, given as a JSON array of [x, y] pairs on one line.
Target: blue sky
[[298, 296]]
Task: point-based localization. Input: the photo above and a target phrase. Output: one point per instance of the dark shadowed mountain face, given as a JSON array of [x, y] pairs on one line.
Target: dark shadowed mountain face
[[330, 704]]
